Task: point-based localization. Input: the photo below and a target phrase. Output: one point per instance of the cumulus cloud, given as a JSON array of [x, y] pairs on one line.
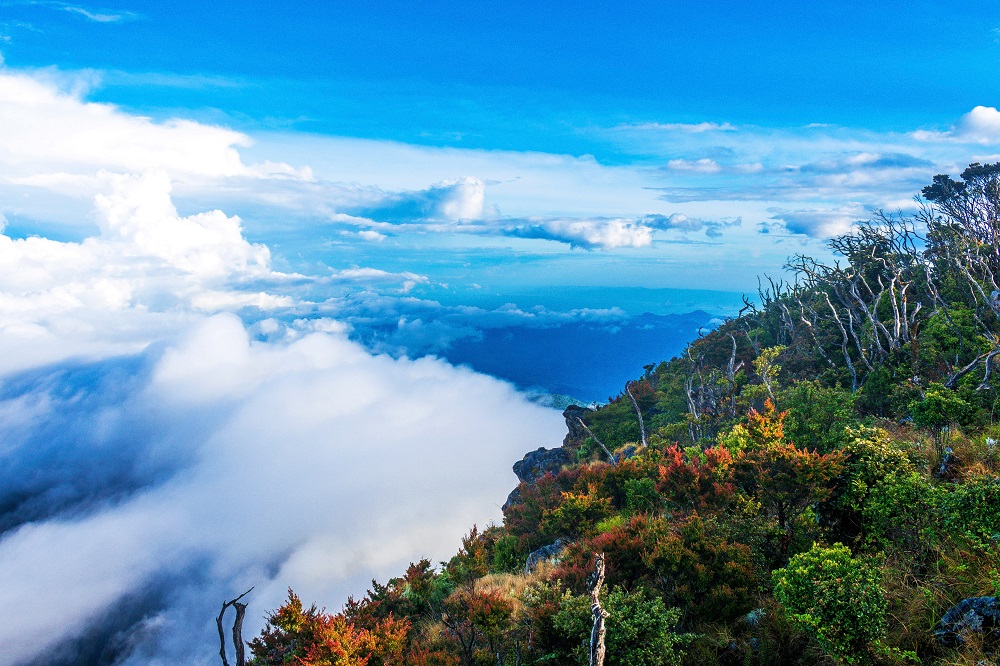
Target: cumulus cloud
[[148, 269], [681, 222], [51, 131], [818, 222], [609, 233], [233, 463], [450, 200], [981, 125], [589, 234]]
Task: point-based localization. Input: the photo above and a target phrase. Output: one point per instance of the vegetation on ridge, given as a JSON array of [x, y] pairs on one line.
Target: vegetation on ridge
[[821, 484]]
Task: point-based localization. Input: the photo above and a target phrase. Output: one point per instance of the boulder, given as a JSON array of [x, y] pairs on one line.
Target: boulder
[[575, 432], [625, 454], [972, 615], [950, 465], [534, 466], [544, 554], [540, 462]]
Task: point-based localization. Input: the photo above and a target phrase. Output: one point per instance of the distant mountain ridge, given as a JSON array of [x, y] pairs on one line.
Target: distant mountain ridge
[[589, 361]]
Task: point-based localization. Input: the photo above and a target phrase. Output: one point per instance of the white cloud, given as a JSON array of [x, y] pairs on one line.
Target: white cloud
[[981, 125], [47, 130], [590, 234], [703, 165], [147, 270], [312, 464], [820, 222], [691, 128], [451, 200], [370, 235]]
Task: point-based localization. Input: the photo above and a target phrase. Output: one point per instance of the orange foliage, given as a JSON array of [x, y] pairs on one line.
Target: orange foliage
[[767, 427], [311, 637], [699, 482]]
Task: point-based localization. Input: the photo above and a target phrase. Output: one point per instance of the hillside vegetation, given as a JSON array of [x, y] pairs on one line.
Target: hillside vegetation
[[818, 484]]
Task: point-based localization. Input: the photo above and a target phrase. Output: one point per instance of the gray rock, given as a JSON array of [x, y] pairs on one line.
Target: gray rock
[[514, 497], [540, 462], [949, 465], [575, 432], [534, 466], [625, 454], [544, 554], [972, 615]]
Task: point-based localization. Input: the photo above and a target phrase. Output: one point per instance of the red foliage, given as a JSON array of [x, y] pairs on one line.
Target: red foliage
[[702, 482], [311, 637], [698, 569], [623, 549], [787, 480]]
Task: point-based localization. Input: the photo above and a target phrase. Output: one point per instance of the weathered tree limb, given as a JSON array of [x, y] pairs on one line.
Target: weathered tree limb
[[611, 456], [638, 412], [237, 630], [597, 648], [241, 610]]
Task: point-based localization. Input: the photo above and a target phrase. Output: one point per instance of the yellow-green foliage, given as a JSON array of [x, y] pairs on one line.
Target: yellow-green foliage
[[837, 599]]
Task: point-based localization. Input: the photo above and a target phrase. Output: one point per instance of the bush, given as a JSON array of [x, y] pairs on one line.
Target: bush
[[640, 630], [971, 511], [838, 600], [940, 407]]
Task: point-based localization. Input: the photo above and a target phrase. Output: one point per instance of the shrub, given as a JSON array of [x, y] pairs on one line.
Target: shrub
[[640, 630], [940, 407], [836, 599], [971, 511]]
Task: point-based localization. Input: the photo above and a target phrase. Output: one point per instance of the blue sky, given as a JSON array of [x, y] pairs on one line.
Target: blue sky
[[588, 128], [524, 75], [234, 237]]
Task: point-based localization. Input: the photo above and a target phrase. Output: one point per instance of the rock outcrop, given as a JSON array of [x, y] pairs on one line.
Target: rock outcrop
[[575, 433], [544, 554], [534, 466], [544, 461], [540, 462], [625, 454], [969, 616]]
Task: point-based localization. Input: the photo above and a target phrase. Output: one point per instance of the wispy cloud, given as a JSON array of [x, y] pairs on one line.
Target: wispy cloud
[[703, 165], [690, 128], [99, 16], [90, 13]]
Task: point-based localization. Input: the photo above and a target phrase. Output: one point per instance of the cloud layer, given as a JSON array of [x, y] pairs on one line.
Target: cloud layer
[[215, 463]]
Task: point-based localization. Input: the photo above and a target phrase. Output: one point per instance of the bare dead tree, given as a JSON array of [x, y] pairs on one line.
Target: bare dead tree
[[638, 412], [596, 580], [749, 323], [611, 456], [238, 645], [731, 369], [869, 299]]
